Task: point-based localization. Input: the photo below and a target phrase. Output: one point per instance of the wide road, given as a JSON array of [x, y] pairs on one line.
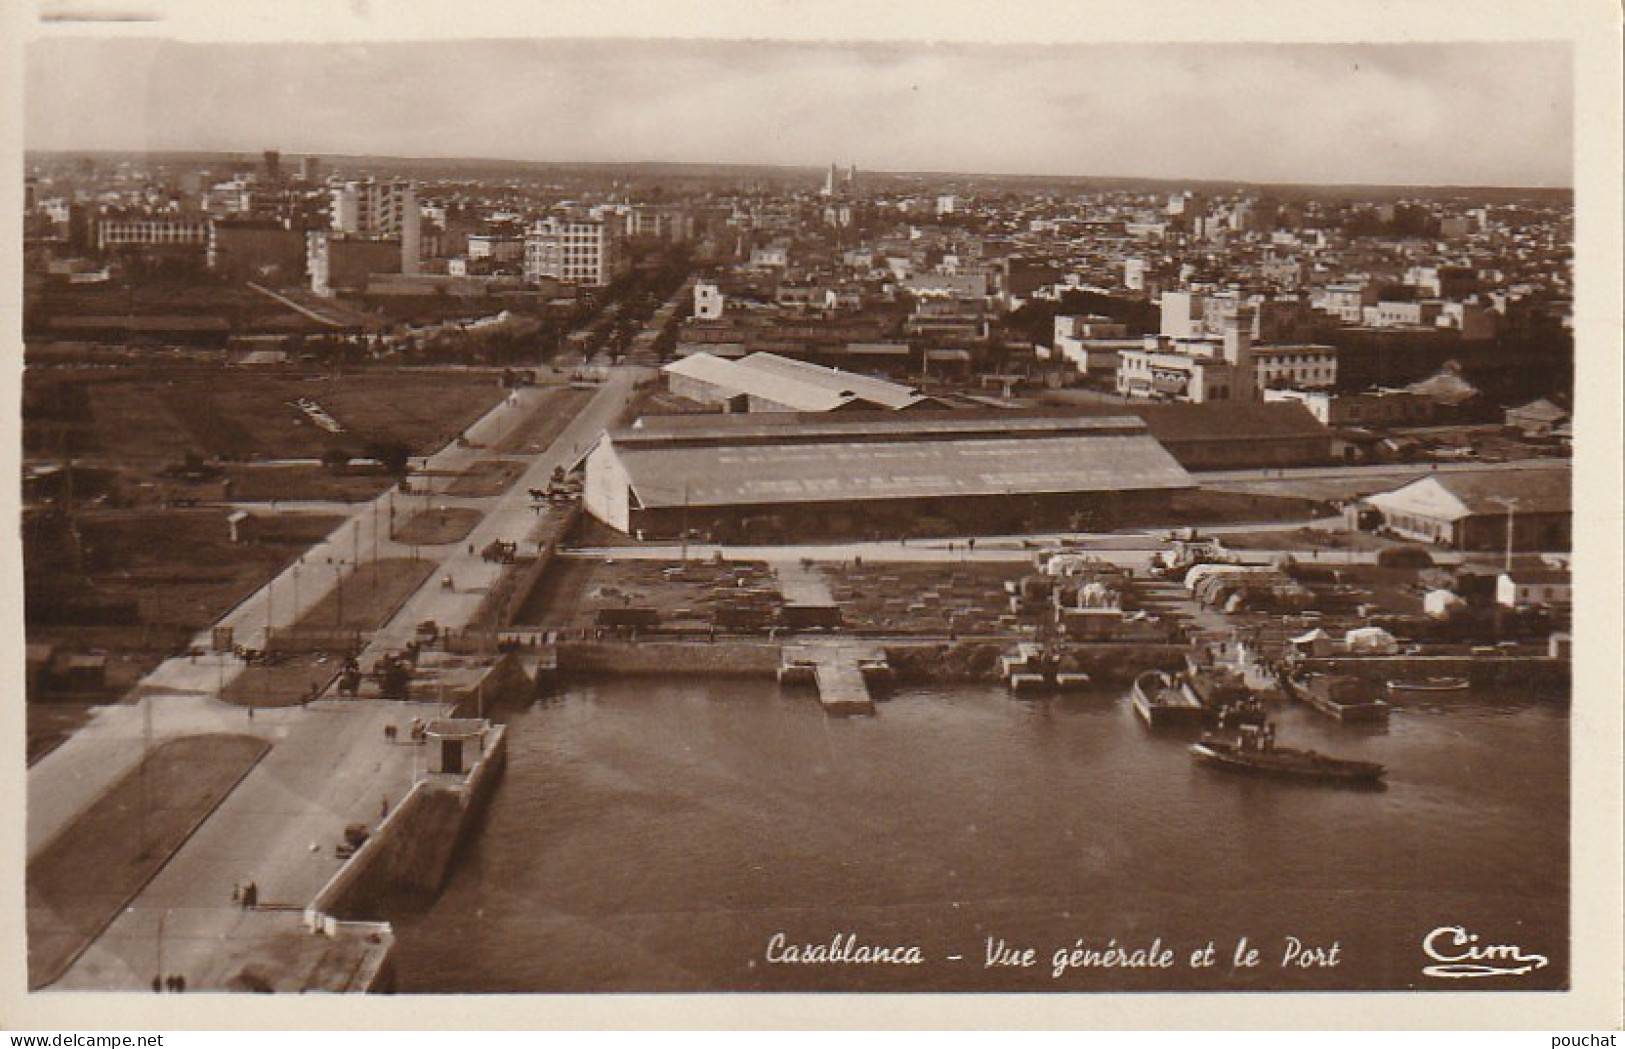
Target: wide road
[[329, 764]]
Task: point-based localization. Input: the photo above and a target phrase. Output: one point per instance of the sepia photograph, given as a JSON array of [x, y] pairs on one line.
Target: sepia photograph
[[518, 509]]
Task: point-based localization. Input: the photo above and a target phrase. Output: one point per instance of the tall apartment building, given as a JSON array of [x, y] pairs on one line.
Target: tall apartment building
[[582, 251], [381, 209]]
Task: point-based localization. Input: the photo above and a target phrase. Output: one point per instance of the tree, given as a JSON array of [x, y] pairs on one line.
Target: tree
[[392, 454]]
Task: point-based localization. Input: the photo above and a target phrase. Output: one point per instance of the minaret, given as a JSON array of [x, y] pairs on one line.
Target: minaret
[[831, 180]]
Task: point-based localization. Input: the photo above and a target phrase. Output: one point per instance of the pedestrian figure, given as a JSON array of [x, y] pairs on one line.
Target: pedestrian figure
[[158, 984], [180, 982], [236, 893], [251, 895], [383, 810], [251, 713]]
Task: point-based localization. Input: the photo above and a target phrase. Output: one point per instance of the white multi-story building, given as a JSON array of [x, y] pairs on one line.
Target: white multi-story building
[[380, 209], [114, 233], [1198, 370], [1302, 367], [582, 251], [374, 209], [709, 302]]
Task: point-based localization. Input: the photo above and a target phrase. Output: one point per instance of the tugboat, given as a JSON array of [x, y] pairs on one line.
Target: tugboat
[[1253, 749]]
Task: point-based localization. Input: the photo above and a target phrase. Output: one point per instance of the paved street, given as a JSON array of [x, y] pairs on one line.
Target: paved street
[[329, 764]]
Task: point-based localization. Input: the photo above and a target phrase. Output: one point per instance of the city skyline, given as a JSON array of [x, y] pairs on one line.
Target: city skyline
[[1390, 114]]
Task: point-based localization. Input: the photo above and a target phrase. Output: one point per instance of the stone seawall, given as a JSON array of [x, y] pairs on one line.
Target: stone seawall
[[978, 661], [412, 851], [670, 658], [1479, 670], [917, 662]]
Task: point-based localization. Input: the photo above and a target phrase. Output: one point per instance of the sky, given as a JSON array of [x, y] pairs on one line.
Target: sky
[[1463, 113]]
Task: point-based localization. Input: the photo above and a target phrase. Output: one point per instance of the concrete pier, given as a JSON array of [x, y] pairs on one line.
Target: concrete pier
[[842, 674]]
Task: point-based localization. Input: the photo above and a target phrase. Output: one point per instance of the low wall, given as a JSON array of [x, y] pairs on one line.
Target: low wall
[[505, 683], [1480, 670], [979, 660], [667, 658], [412, 850]]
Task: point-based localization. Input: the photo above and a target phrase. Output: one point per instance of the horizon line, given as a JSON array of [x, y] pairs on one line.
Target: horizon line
[[808, 167]]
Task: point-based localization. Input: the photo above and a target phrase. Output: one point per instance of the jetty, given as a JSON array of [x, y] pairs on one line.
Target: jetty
[[842, 674]]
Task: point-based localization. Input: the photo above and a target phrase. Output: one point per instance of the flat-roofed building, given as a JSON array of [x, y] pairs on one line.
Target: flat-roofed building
[[114, 234], [878, 475]]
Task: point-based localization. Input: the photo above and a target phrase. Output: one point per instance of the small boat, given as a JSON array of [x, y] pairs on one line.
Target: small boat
[[1161, 701], [1252, 751], [1430, 684]]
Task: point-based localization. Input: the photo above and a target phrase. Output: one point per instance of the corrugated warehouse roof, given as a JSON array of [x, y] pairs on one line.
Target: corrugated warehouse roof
[[866, 427], [1231, 422], [798, 385], [1452, 495], [1542, 489], [672, 475]]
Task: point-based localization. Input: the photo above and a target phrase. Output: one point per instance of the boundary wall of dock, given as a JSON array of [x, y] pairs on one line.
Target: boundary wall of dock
[[1479, 670], [670, 658], [413, 849], [913, 661]]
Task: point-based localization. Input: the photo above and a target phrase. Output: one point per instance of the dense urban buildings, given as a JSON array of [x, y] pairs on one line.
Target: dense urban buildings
[[360, 457]]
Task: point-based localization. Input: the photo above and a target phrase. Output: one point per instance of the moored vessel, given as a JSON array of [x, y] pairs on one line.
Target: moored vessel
[[1429, 684], [1254, 750], [1161, 701], [1341, 696]]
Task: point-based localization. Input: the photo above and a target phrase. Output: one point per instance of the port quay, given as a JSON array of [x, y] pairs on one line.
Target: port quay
[[415, 771], [548, 576]]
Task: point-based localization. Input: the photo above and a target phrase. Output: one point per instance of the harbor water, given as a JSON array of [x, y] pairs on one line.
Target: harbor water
[[724, 835]]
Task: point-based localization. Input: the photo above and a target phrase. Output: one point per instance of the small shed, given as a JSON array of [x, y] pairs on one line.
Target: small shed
[[242, 525], [455, 744], [1442, 604], [39, 657], [1316, 642], [80, 671]]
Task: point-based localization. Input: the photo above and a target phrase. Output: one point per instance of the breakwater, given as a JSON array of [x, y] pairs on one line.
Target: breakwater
[[409, 856]]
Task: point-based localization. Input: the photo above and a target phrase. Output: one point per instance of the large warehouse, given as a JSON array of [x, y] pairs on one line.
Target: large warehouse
[[766, 382], [1473, 511], [878, 475]]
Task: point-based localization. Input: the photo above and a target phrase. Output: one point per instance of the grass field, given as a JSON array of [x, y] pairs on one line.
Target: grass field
[[545, 423], [486, 477], [178, 566], [435, 527], [287, 483], [142, 416], [78, 885], [370, 595]]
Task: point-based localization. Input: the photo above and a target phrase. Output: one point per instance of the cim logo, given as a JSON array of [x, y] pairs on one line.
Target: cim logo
[[1461, 955]]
